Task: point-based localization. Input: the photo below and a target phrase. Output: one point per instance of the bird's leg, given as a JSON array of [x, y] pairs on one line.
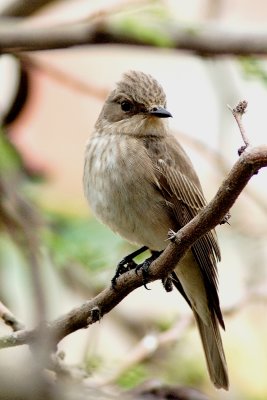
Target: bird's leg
[[144, 267], [126, 264]]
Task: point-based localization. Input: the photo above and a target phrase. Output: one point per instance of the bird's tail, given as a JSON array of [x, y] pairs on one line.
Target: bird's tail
[[213, 349]]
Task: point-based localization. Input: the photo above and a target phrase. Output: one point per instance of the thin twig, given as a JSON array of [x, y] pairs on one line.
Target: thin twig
[[238, 113]]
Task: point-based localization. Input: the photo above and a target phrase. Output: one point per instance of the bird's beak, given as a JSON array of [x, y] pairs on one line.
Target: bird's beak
[[159, 112]]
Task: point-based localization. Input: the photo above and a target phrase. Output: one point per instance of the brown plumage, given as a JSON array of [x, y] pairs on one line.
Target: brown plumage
[[140, 182]]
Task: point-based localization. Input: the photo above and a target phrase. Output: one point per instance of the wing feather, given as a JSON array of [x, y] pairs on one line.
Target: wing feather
[[182, 191]]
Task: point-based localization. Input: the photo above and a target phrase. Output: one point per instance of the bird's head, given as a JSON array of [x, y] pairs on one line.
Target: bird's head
[[137, 103]]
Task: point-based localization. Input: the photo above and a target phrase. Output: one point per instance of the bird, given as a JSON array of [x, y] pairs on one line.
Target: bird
[[140, 182]]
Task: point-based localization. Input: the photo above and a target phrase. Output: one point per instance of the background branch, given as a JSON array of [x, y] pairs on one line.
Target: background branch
[[22, 8], [10, 319], [69, 80], [208, 40]]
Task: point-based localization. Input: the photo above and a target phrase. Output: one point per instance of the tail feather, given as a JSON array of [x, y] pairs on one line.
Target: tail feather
[[188, 279], [214, 353]]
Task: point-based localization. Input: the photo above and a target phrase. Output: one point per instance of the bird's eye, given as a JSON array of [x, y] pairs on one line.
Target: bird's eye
[[126, 106]]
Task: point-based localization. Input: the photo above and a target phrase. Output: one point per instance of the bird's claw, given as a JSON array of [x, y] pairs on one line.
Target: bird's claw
[[144, 267], [127, 264], [124, 265]]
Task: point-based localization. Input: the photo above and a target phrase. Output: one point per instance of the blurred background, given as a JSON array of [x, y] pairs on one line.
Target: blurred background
[[49, 102]]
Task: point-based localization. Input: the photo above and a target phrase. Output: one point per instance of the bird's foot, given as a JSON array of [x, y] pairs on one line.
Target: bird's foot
[[123, 266], [126, 264], [144, 267]]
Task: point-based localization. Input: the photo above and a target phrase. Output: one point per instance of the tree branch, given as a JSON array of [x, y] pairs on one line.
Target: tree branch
[[208, 218], [19, 8], [208, 40], [10, 319]]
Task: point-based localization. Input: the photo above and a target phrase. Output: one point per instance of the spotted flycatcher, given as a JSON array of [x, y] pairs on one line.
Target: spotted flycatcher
[[140, 182]]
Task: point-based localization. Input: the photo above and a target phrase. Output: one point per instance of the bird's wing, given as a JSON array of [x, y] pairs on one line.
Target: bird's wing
[[178, 183]]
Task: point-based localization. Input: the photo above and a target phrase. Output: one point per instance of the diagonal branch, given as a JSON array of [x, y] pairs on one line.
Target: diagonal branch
[[246, 166]]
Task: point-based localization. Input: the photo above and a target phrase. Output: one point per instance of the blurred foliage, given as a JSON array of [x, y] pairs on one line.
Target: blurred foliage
[[165, 324], [181, 366], [133, 376], [17, 215], [71, 238], [10, 159], [173, 365], [254, 68], [68, 238], [93, 362]]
